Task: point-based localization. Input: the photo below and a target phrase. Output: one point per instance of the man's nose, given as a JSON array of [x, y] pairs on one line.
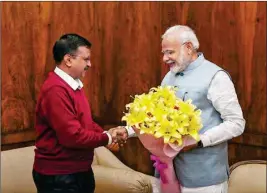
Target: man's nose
[[89, 63], [165, 58]]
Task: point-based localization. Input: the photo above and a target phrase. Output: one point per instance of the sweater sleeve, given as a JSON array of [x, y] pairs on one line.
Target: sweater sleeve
[[97, 127], [60, 114]]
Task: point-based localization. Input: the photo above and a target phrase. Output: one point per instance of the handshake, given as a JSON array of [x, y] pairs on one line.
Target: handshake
[[119, 136]]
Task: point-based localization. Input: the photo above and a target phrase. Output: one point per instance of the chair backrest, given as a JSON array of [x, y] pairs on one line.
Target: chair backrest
[[16, 170], [95, 161], [248, 177]]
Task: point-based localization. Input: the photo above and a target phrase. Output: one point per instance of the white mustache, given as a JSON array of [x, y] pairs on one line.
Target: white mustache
[[170, 61]]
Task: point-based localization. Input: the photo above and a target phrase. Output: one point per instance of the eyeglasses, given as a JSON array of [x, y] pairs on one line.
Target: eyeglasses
[[85, 59], [169, 52]]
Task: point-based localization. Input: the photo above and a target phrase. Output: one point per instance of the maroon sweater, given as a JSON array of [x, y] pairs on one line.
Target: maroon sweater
[[66, 133]]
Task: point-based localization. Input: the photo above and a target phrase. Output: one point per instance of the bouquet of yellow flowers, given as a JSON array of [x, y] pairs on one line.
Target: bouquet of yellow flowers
[[162, 114], [164, 124]]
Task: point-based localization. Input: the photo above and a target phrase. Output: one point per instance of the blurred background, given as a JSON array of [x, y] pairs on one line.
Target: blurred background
[[127, 60]]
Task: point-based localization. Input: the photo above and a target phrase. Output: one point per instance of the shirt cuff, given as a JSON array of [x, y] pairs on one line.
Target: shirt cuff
[[205, 140], [131, 132], [109, 137]]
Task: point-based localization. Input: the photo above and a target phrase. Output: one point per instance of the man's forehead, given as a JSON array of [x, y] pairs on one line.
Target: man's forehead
[[169, 43], [170, 40], [84, 50]]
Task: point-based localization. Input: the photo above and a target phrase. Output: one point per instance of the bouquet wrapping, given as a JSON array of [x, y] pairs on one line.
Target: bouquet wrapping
[[164, 124]]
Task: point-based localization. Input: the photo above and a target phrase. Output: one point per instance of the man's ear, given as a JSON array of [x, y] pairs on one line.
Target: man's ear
[[189, 46], [67, 60]]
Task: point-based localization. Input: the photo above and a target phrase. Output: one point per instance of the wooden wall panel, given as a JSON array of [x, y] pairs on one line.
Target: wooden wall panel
[[127, 60], [17, 68], [240, 152]]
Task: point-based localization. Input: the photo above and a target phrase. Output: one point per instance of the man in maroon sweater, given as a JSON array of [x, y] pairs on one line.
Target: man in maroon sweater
[[66, 133]]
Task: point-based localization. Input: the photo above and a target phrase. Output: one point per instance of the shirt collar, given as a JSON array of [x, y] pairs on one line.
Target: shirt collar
[[74, 83]]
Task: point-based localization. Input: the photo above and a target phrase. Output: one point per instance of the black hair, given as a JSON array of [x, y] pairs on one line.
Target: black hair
[[68, 44]]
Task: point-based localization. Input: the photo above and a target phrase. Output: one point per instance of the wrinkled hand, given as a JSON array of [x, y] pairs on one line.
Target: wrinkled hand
[[113, 147], [189, 147], [119, 134]]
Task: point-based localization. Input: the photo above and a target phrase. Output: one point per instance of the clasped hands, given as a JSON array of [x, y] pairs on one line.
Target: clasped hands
[[119, 137]]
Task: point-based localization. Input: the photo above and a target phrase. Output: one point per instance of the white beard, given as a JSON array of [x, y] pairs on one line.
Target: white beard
[[181, 64], [176, 68]]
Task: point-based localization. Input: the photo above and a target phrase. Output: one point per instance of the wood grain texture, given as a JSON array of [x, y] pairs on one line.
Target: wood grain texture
[[239, 152], [127, 60]]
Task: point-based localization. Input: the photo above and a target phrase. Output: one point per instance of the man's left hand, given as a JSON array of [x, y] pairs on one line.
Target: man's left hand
[[189, 147], [121, 134], [113, 147]]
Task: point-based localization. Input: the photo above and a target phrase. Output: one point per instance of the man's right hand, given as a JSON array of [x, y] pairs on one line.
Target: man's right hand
[[119, 134], [113, 147]]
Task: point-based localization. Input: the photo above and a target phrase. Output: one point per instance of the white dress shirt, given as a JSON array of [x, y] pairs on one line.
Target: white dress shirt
[[224, 99], [223, 96]]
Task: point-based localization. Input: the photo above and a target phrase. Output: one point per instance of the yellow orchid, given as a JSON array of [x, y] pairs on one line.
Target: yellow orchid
[[162, 114]]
